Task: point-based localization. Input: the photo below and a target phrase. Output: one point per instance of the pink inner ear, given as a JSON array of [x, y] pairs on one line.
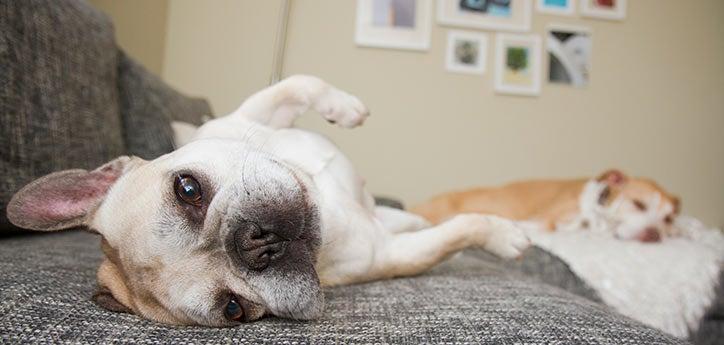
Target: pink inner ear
[[62, 199], [613, 178], [75, 200]]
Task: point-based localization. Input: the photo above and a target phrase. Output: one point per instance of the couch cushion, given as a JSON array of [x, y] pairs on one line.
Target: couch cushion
[[58, 95], [47, 281], [148, 106]]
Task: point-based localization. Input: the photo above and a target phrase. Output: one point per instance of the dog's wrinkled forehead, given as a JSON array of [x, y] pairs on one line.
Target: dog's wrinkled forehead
[[211, 220]]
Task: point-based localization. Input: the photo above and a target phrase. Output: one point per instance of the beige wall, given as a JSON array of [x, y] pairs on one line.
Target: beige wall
[[140, 28], [655, 105]]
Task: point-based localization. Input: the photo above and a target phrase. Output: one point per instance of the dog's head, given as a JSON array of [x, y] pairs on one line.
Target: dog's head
[[639, 207], [213, 234]]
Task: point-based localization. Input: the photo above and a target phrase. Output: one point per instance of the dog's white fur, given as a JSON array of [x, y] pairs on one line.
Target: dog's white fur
[[160, 265], [360, 242]]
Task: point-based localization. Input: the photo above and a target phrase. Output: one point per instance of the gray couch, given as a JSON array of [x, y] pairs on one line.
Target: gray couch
[[70, 99]]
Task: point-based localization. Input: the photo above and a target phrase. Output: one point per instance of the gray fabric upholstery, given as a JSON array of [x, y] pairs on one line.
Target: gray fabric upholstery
[[58, 96], [148, 106], [711, 328], [546, 267], [70, 99], [47, 282]]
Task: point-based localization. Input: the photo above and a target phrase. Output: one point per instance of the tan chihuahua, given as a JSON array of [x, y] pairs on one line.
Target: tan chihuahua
[[633, 208]]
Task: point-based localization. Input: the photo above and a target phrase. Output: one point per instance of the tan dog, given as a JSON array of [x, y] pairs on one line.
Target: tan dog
[[634, 208]]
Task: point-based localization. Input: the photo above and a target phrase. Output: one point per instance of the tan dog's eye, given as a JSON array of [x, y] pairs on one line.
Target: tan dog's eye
[[669, 219], [233, 310], [188, 190], [639, 205]]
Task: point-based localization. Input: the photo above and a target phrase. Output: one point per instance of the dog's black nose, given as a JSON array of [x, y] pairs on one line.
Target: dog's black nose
[[258, 247]]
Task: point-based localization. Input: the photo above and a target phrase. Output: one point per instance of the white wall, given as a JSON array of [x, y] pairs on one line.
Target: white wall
[[655, 105]]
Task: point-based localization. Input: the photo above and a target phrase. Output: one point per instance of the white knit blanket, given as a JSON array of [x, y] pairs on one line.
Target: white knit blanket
[[667, 285]]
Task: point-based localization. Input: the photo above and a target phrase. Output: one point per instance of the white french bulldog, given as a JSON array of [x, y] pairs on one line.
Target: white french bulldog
[[249, 219]]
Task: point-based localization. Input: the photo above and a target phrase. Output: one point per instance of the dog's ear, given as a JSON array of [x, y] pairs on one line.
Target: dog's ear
[[677, 204], [613, 177], [104, 299], [63, 199]]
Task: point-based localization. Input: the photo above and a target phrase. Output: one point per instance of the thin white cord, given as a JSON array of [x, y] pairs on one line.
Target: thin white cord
[[280, 42]]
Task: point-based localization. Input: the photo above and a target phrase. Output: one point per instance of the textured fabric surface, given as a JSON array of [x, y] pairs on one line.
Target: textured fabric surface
[[148, 106], [58, 95], [711, 329], [546, 267], [46, 282]]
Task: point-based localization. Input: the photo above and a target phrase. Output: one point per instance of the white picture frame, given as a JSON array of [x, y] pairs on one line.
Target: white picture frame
[[371, 33], [522, 80], [476, 49], [450, 12], [543, 6], [573, 56], [591, 10]]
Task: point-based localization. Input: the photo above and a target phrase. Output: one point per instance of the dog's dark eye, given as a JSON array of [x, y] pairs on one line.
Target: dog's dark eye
[[639, 205], [669, 219], [188, 190], [233, 310]]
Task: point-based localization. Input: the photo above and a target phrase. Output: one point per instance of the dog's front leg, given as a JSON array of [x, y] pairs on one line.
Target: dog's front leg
[[412, 253], [279, 105]]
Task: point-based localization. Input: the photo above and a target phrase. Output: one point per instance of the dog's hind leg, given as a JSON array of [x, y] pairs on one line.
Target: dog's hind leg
[[398, 221], [279, 105], [412, 253]]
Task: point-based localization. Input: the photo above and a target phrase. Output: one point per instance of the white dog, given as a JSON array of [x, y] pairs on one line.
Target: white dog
[[248, 219]]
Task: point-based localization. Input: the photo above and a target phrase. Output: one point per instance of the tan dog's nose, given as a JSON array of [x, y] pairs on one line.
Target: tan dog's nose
[[650, 235], [257, 247]]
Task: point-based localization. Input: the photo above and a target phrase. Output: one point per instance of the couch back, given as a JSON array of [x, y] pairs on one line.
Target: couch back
[[70, 99]]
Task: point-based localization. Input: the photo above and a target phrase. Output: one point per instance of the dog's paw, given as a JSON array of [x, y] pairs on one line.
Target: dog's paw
[[497, 235], [341, 108], [506, 239]]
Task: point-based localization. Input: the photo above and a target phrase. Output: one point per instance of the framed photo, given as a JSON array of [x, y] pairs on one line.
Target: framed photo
[[558, 7], [396, 24], [605, 9], [466, 52], [569, 55], [504, 15], [518, 64]]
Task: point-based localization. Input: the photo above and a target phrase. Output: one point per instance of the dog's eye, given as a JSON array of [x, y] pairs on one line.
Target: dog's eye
[[233, 310], [639, 205], [188, 190], [669, 219]]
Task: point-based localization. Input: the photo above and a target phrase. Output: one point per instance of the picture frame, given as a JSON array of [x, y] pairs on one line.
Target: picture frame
[[499, 15], [604, 9], [569, 52], [466, 52], [557, 7], [518, 64], [394, 24]]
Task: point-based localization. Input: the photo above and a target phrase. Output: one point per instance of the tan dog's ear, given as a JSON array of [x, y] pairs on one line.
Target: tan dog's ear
[[104, 299], [677, 204], [613, 177], [63, 199]]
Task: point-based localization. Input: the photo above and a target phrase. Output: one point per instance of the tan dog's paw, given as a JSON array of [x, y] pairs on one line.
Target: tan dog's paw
[[341, 108], [497, 235]]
